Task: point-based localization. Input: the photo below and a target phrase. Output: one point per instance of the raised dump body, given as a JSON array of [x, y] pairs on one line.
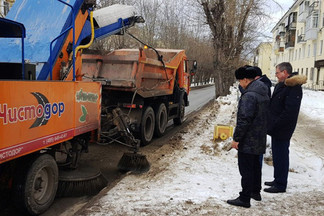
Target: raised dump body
[[139, 70]]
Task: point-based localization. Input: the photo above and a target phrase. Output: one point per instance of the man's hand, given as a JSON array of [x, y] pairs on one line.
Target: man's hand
[[235, 144]]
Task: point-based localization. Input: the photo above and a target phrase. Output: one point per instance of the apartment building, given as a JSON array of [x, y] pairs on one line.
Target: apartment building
[[261, 57], [298, 38]]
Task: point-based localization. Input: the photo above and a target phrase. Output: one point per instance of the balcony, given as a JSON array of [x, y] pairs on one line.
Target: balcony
[[281, 46], [289, 44], [301, 38], [281, 30], [302, 17], [291, 22], [303, 12], [278, 46], [311, 34], [311, 29], [291, 26], [314, 7]]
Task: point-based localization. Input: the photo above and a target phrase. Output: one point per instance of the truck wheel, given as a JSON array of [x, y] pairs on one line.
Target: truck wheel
[[147, 126], [161, 120], [179, 120], [36, 187]]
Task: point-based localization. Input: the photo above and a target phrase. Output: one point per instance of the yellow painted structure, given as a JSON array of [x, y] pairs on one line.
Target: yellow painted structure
[[223, 132]]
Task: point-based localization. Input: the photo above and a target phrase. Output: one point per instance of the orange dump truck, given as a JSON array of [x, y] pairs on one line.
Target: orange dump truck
[[147, 87]]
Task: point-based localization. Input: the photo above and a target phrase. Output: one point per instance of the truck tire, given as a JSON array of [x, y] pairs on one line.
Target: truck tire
[[161, 120], [179, 120], [36, 187], [147, 126]]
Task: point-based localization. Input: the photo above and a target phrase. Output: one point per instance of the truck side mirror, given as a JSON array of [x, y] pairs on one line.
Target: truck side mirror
[[194, 68], [194, 65]]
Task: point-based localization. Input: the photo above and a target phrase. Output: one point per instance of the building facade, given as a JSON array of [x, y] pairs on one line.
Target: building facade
[[262, 57], [298, 38]]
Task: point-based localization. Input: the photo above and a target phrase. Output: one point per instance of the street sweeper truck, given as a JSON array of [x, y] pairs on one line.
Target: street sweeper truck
[[55, 99]]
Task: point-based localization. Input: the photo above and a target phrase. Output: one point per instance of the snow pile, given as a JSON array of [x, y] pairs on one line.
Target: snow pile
[[313, 105], [194, 175]]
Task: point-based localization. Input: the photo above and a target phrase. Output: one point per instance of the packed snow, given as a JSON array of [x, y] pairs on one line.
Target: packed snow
[[195, 175]]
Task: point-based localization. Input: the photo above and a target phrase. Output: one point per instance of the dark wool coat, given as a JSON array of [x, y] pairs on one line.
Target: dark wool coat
[[284, 107], [251, 125]]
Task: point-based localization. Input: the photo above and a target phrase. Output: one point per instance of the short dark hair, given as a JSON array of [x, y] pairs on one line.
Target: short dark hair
[[285, 66]]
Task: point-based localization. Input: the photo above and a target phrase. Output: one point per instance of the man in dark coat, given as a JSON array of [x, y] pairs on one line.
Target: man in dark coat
[[284, 109], [250, 135], [263, 78]]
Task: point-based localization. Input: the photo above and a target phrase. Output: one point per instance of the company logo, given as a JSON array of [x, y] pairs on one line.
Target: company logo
[[86, 97], [41, 112], [83, 117]]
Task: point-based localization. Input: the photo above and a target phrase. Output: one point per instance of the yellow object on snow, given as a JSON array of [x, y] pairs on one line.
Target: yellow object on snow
[[223, 132]]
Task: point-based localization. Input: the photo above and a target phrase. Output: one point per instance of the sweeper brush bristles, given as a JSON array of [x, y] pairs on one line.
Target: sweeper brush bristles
[[134, 162], [76, 183]]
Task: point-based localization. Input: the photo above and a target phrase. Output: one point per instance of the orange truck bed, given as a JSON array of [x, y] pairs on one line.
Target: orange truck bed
[[38, 114], [138, 69]]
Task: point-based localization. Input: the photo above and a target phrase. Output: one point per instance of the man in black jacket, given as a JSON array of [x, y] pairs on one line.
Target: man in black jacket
[[284, 109], [263, 78], [250, 135]]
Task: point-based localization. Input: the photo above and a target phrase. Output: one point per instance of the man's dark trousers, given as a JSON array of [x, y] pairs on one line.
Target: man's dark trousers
[[280, 157], [250, 170]]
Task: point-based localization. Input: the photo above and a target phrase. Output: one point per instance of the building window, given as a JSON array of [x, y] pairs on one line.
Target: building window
[[302, 71], [306, 73], [321, 47], [314, 49], [299, 53], [311, 74], [315, 20], [303, 48], [295, 55], [308, 52]]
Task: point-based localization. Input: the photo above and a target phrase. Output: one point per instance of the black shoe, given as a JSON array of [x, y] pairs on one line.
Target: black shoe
[[256, 196], [238, 202], [274, 189], [269, 183]]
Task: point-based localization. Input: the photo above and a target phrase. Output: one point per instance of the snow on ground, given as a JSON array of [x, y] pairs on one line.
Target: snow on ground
[[194, 175]]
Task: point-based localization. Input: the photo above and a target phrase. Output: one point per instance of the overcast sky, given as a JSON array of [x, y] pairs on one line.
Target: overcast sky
[[275, 12], [278, 13]]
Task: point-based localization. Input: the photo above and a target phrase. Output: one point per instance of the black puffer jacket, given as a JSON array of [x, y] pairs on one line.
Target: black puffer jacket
[[284, 107], [251, 125]]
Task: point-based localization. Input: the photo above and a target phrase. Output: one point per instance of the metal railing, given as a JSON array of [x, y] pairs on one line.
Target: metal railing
[[289, 44]]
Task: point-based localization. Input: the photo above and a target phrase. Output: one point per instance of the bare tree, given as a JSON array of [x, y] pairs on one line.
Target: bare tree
[[175, 24], [229, 22]]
